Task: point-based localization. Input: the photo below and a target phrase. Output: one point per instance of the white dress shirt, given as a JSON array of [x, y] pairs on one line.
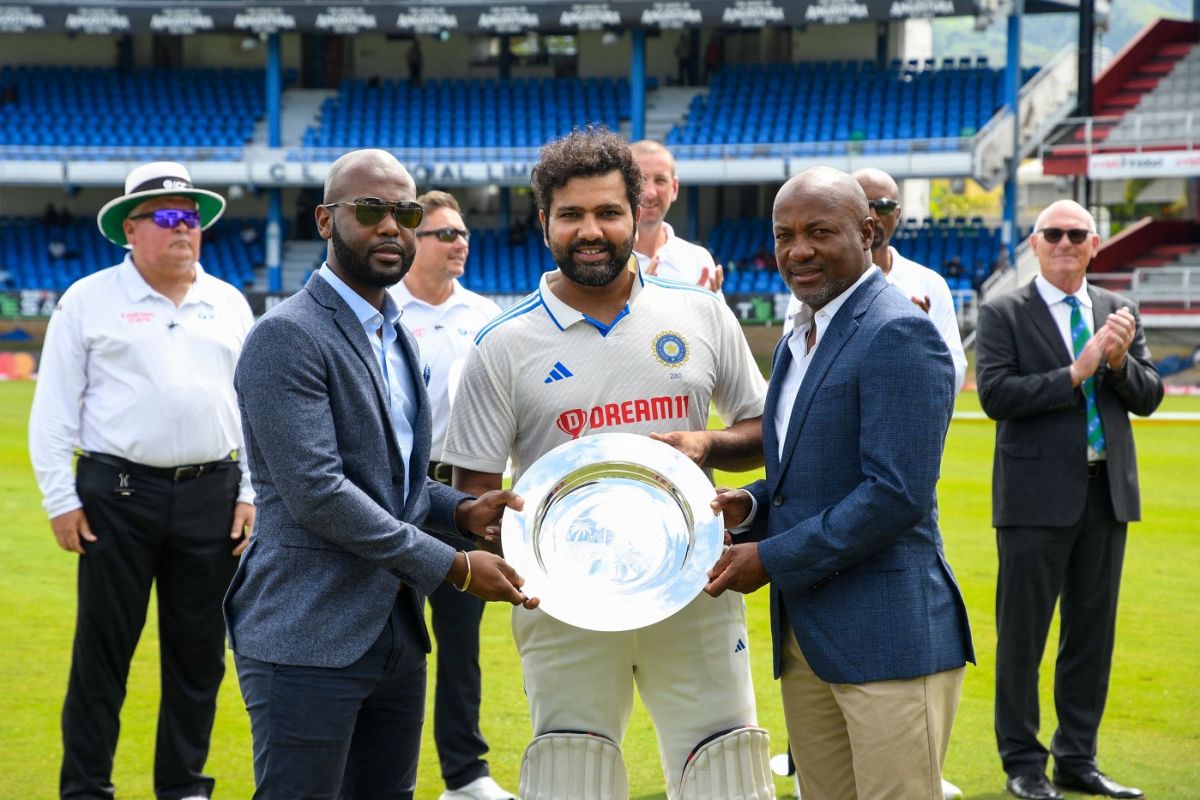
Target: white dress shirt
[[381, 333], [801, 359], [1061, 312], [445, 334], [125, 372]]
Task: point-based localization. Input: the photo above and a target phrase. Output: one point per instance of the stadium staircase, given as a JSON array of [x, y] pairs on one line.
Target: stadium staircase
[[1145, 100], [1044, 101], [667, 108]]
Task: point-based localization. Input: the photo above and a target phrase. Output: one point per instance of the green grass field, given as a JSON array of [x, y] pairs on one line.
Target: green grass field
[[1150, 736]]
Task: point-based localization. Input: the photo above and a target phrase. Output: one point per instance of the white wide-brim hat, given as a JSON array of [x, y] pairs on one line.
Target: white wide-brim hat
[[156, 179]]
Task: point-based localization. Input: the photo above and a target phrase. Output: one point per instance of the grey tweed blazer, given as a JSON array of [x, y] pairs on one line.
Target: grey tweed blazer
[[334, 540]]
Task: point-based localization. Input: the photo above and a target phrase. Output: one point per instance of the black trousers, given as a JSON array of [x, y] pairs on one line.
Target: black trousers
[[348, 733], [1079, 567], [457, 693], [174, 535]]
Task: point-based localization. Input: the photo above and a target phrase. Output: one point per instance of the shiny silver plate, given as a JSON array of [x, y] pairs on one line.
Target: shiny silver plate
[[617, 532]]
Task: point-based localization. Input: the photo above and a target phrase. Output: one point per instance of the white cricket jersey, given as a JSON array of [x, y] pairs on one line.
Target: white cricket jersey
[[543, 374], [445, 334], [679, 259], [914, 279], [127, 373]]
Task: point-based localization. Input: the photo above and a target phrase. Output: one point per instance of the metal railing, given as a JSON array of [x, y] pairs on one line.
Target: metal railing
[[1133, 132]]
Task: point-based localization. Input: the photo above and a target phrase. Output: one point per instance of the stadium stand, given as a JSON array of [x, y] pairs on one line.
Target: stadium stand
[[1142, 101], [845, 102], [521, 113], [26, 252], [102, 107]]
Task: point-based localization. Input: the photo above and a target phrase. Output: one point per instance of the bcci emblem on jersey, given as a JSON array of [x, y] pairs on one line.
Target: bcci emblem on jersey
[[670, 349]]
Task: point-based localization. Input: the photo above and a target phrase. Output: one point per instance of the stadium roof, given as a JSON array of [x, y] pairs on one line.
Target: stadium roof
[[465, 16]]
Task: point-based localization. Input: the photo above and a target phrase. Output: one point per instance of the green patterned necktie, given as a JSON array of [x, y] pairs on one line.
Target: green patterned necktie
[[1079, 338]]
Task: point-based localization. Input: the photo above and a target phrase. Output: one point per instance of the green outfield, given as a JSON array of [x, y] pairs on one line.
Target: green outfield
[[1150, 736]]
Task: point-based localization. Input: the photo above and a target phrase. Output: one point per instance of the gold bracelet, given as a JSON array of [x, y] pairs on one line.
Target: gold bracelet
[[466, 580]]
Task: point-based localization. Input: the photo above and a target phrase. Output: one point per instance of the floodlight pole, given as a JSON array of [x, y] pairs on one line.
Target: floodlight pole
[[637, 85], [1012, 88], [1083, 91], [274, 232]]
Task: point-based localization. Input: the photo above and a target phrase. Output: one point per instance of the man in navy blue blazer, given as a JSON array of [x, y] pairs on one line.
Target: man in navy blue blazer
[[870, 632]]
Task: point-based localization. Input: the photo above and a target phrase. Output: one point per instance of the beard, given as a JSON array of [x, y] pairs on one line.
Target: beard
[[600, 273], [358, 265], [879, 239]]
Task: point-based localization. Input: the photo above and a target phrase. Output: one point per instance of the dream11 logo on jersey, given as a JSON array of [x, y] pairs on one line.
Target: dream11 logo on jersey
[[574, 421]]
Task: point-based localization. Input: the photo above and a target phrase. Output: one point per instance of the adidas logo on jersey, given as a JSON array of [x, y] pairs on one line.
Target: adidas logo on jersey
[[739, 647], [558, 373]]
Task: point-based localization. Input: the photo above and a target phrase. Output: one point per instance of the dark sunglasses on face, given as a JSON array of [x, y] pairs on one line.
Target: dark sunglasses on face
[[447, 235], [1076, 235], [884, 205], [170, 217], [369, 211]]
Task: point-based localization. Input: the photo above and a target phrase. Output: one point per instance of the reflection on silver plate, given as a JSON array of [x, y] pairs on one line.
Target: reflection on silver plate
[[617, 532]]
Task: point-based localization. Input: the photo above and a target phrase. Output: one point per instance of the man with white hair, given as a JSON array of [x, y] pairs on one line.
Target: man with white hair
[[1061, 365], [137, 377]]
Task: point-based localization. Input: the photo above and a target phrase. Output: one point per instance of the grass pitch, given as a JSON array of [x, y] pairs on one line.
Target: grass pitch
[[1150, 737]]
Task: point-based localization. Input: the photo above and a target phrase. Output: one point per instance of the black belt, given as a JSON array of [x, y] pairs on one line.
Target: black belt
[[441, 472], [182, 473], [1095, 468]]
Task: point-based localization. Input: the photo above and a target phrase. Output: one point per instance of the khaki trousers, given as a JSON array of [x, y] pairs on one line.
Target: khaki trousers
[[878, 741]]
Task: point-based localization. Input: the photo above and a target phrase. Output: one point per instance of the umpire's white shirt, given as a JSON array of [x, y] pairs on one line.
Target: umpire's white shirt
[[125, 372]]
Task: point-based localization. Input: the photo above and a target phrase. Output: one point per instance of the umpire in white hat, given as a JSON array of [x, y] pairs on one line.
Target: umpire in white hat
[[136, 378]]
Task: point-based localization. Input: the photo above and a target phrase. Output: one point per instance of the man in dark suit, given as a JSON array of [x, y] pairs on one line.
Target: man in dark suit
[[871, 634], [324, 613], [1061, 365]]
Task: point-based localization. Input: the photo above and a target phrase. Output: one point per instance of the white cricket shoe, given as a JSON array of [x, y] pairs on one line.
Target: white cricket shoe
[[479, 789]]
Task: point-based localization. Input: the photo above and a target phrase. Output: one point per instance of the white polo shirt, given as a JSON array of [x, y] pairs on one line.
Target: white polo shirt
[[127, 373], [914, 279], [543, 374], [679, 259], [445, 334]]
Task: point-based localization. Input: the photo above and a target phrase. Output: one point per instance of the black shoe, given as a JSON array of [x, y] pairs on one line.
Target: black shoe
[[1095, 782], [1032, 786]]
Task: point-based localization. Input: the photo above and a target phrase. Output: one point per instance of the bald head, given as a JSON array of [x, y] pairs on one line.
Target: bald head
[[883, 195], [352, 167], [822, 234], [1069, 208], [829, 186]]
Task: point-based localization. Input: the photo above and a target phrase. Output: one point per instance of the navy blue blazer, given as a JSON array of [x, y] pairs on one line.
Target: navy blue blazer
[[848, 516], [335, 541]]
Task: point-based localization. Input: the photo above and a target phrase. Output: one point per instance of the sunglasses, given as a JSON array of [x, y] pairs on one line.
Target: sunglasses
[[170, 217], [369, 211], [1076, 235], [885, 205], [447, 235]]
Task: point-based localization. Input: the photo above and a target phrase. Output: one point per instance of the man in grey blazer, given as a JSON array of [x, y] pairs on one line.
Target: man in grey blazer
[[870, 631], [325, 611], [1061, 365]]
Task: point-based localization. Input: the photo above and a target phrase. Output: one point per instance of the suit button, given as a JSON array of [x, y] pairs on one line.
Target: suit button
[[397, 479], [777, 500]]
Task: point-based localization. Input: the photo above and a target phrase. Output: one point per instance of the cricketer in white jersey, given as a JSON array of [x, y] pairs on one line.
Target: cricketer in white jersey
[[544, 374]]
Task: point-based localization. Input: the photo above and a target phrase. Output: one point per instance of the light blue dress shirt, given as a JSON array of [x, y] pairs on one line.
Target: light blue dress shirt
[[402, 394]]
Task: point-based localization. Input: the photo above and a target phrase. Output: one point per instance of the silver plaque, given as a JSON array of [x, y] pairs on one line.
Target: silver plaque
[[617, 531]]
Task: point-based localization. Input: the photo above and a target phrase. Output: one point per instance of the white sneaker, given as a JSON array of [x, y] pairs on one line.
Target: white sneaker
[[950, 791], [479, 789]]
